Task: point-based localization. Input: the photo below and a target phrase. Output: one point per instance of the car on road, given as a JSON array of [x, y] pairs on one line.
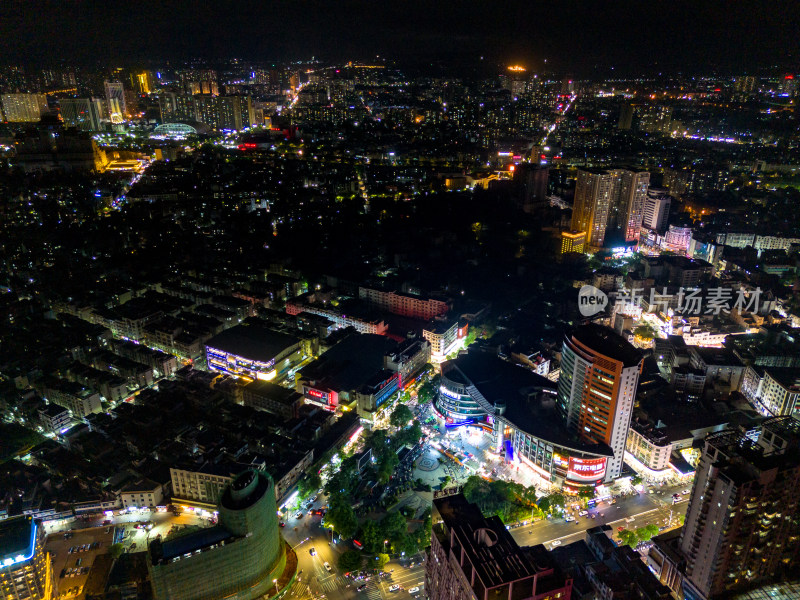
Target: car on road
[[282, 524], [362, 587], [312, 551], [413, 590], [556, 543], [299, 515], [394, 588], [327, 566], [685, 492]]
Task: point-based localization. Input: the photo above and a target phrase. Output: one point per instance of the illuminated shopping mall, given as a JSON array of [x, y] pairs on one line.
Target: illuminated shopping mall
[[517, 408]]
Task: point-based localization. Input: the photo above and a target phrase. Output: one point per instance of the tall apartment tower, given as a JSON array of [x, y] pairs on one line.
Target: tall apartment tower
[[23, 108], [595, 193], [607, 200], [625, 116], [85, 114], [743, 520], [115, 100], [656, 210], [224, 112], [597, 387], [633, 188]]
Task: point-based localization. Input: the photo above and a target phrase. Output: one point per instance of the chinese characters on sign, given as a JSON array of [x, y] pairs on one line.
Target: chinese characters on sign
[[692, 301]]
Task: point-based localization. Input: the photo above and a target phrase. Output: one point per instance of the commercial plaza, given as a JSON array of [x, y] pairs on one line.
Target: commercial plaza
[[572, 435]]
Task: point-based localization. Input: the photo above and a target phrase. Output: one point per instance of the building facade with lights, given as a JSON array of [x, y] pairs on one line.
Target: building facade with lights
[[242, 557], [517, 408], [351, 375], [572, 241], [743, 523], [406, 305], [597, 388], [255, 353], [445, 337], [26, 569]]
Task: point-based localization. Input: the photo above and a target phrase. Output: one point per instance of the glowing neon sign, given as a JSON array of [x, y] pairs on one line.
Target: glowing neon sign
[[459, 423]]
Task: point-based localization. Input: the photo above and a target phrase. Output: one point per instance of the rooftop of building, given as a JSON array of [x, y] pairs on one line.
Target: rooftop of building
[[17, 539], [350, 363], [788, 377], [53, 410], [489, 546], [716, 356], [607, 342], [189, 543], [272, 391], [143, 485], [253, 342]]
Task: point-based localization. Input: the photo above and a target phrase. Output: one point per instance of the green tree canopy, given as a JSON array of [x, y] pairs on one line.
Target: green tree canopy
[[350, 561], [116, 550], [309, 485], [382, 559], [629, 538], [394, 525], [371, 537], [341, 517], [401, 415]]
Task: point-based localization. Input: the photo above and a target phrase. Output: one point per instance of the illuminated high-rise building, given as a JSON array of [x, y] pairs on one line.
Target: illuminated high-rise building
[[23, 108], [26, 569], [742, 526], [597, 387], [595, 194], [115, 101], [608, 200], [224, 112], [85, 114], [656, 210], [633, 187], [142, 82], [572, 241]]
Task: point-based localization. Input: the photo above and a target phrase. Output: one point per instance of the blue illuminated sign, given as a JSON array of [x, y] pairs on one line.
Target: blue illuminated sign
[[8, 561], [459, 423], [509, 450]]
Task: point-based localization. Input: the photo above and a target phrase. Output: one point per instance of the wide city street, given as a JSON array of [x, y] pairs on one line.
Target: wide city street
[[315, 581]]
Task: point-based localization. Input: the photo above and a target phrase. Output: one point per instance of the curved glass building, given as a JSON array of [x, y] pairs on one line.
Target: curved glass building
[[518, 409]]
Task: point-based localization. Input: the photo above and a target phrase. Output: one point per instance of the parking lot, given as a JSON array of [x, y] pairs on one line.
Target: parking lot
[[73, 557]]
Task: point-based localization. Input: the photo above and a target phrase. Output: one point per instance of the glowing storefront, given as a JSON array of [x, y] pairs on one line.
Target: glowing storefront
[[254, 352]]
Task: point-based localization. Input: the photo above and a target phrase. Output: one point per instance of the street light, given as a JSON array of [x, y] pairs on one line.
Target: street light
[[275, 583]]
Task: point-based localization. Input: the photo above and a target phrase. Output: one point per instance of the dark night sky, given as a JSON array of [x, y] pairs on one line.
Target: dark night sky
[[572, 35]]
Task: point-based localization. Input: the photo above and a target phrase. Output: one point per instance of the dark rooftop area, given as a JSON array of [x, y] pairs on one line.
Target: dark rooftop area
[[608, 342], [253, 342], [17, 537]]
